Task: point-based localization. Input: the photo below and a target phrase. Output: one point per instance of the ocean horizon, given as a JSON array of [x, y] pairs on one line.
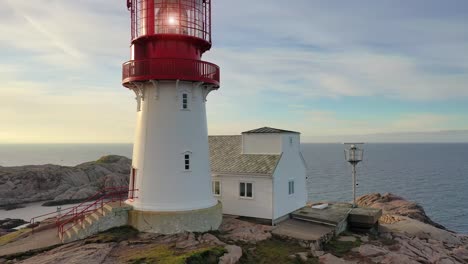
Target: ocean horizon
[[431, 174]]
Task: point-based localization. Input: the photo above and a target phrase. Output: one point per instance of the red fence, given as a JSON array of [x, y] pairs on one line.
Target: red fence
[[67, 218], [78, 213], [170, 69]]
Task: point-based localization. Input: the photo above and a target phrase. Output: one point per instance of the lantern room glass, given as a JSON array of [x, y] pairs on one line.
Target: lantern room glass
[[182, 17]]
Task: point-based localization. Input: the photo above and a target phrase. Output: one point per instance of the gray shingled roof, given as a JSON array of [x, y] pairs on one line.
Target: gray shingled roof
[[226, 157], [268, 130]]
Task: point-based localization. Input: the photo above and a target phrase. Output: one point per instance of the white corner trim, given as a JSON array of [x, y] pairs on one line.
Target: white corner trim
[[156, 87], [206, 90], [140, 94]]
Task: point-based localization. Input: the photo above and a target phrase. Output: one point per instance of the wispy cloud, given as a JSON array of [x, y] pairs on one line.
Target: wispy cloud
[[303, 65]]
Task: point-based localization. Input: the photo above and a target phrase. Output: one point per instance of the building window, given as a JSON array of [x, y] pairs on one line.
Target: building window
[[184, 101], [291, 187], [216, 185], [290, 141], [246, 190], [187, 164]]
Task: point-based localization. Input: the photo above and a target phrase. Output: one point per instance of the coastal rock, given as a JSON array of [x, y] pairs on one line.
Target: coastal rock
[[8, 223], [73, 254], [331, 259], [395, 205], [368, 250], [234, 253], [211, 240], [61, 183], [238, 230], [189, 242], [461, 253], [421, 230]]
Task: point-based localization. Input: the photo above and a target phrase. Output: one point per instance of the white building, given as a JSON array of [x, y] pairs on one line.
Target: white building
[[259, 174]]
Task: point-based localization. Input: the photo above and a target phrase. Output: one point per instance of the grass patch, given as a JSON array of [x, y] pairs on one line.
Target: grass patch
[[116, 234], [206, 257], [108, 159], [341, 248], [164, 254], [273, 251], [5, 239]]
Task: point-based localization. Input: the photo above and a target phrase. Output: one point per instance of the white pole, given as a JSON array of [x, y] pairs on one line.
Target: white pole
[[354, 185]]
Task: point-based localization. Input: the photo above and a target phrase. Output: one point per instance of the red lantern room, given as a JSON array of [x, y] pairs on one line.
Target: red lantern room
[[168, 40]]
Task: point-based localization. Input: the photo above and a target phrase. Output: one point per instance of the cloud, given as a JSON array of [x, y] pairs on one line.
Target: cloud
[[331, 74], [61, 60], [32, 112]]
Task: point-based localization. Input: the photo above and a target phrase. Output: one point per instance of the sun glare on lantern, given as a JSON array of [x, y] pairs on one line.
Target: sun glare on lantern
[[172, 20]]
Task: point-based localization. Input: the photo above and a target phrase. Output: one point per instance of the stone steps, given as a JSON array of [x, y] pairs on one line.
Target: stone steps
[[112, 215]]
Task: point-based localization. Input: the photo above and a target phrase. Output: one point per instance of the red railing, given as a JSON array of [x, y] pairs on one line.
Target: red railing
[[69, 210], [77, 214], [170, 69]]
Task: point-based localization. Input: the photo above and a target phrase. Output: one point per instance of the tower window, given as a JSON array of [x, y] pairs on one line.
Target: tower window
[[185, 101], [187, 162], [291, 187]]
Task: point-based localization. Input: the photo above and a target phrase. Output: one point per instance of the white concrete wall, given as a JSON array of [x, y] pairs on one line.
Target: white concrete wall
[[261, 204], [261, 143], [290, 166], [164, 133]]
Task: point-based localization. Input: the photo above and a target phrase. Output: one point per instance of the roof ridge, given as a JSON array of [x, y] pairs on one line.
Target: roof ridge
[[268, 130]]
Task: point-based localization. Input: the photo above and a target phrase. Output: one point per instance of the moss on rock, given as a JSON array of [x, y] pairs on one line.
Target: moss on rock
[[13, 236], [165, 254], [274, 251]]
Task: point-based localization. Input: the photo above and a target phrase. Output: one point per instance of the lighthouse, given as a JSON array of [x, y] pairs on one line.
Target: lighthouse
[[170, 181]]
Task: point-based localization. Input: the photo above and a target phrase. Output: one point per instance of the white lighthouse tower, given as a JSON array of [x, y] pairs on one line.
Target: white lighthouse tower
[[170, 184]]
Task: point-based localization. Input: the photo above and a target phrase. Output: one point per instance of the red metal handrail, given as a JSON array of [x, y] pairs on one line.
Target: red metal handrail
[[170, 69], [65, 212], [108, 195]]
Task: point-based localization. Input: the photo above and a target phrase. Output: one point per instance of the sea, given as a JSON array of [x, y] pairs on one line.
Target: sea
[[433, 175]]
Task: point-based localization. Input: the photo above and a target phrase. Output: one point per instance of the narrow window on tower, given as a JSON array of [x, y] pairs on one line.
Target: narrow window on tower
[[185, 101], [187, 161], [291, 187]]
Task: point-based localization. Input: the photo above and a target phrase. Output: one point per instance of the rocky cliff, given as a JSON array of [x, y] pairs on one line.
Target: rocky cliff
[[406, 236], [24, 184]]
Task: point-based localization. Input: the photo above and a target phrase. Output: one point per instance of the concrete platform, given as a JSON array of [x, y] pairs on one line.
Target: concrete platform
[[364, 217], [303, 230], [333, 215]]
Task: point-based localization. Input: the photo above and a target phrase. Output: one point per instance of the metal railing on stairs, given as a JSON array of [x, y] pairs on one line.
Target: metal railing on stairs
[[108, 195], [70, 217]]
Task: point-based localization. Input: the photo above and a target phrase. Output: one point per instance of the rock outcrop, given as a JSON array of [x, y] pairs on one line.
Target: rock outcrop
[[24, 184], [393, 206]]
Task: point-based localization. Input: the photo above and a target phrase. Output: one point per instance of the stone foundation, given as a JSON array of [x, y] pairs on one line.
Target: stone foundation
[[201, 220]]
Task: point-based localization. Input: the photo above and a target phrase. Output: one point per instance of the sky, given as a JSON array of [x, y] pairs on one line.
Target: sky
[[383, 71]]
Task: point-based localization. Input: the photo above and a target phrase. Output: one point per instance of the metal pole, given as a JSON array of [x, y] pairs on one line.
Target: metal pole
[[354, 185]]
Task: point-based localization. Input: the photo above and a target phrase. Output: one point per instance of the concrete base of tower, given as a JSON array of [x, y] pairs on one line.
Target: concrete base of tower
[[201, 220]]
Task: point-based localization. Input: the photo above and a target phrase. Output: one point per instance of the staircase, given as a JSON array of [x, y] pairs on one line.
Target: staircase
[[111, 215]]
